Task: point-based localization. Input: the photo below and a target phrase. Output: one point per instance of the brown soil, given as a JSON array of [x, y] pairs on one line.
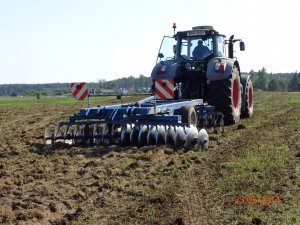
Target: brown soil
[[114, 185]]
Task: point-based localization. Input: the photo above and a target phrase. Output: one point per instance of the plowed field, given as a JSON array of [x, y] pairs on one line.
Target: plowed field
[[249, 175]]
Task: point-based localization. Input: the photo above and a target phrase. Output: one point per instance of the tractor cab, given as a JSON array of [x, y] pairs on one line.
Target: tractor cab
[[199, 44], [194, 58]]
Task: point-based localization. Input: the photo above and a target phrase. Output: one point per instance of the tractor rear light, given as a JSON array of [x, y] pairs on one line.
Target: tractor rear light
[[161, 69], [220, 67]]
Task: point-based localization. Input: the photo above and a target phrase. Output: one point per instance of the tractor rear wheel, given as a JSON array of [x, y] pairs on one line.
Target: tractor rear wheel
[[247, 109], [225, 95]]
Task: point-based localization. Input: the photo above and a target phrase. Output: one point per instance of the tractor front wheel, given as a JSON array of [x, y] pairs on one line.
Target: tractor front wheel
[[247, 108]]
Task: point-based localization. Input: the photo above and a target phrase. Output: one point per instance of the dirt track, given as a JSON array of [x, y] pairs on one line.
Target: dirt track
[[149, 185]]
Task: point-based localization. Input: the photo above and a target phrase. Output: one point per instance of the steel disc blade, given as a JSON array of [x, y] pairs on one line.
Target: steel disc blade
[[59, 134], [203, 139], [78, 135], [151, 136], [96, 135], [213, 124], [142, 138], [116, 134], [160, 135], [56, 132], [221, 123], [179, 137], [134, 134], [87, 133], [125, 135], [48, 137], [105, 134], [190, 138], [69, 136], [170, 136]]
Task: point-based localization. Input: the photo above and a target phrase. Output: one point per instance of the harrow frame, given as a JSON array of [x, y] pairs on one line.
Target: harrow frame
[[148, 112]]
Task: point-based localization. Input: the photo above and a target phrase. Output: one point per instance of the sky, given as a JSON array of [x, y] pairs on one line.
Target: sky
[[48, 41]]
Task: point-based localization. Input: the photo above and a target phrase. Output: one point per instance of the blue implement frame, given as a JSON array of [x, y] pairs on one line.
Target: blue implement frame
[[148, 111]]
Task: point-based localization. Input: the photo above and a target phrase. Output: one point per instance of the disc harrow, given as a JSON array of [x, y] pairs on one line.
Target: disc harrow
[[147, 122]]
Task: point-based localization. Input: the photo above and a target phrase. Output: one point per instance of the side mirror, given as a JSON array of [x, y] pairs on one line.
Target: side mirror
[[160, 55], [242, 46]]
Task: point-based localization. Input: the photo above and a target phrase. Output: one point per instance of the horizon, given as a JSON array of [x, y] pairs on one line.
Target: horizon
[[290, 73]]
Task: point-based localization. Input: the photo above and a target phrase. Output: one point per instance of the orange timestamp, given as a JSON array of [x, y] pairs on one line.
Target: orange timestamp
[[256, 200]]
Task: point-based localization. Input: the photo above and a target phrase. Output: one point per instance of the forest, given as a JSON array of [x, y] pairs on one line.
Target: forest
[[139, 84], [275, 81], [262, 80]]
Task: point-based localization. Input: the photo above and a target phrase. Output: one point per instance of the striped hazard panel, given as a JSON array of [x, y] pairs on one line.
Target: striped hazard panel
[[164, 89], [79, 90]]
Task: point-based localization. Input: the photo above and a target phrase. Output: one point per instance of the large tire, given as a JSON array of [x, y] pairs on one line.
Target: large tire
[[188, 115], [247, 106], [225, 95]]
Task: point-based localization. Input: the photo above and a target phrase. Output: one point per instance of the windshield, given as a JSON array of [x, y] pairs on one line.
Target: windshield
[[167, 49], [191, 48], [196, 48]]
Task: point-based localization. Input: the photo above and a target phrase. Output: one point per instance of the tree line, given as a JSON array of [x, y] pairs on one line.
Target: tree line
[[275, 82], [132, 84], [261, 80], [34, 89]]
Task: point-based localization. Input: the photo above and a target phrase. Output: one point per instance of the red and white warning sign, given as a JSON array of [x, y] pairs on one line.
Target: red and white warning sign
[[79, 90], [164, 89]]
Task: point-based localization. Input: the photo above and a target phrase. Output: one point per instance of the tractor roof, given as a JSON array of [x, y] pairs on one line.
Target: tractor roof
[[198, 31]]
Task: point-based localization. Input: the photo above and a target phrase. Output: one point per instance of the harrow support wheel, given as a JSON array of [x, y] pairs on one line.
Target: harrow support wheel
[[188, 115]]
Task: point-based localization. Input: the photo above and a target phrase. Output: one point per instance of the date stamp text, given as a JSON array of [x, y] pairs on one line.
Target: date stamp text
[[256, 200]]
